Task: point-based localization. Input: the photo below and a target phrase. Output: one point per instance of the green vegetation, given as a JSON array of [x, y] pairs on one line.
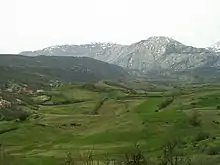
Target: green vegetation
[[170, 125], [41, 69]]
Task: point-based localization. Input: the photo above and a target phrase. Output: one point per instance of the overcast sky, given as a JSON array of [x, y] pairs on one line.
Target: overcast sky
[[34, 24]]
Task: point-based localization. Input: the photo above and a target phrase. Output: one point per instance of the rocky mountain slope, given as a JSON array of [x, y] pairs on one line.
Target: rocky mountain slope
[[156, 54], [161, 53], [56, 68], [101, 51]]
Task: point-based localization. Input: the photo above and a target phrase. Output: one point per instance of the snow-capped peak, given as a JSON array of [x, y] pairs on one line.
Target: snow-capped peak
[[216, 46], [103, 45], [158, 41]]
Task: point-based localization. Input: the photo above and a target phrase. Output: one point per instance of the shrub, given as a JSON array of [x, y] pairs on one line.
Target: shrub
[[213, 138], [195, 118], [13, 113], [202, 136], [216, 122], [68, 159], [204, 160], [193, 103], [166, 103], [136, 157], [8, 130], [213, 150], [218, 107], [5, 158], [99, 105], [172, 156], [22, 116]]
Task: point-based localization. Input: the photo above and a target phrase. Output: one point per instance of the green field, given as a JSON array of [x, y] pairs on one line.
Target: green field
[[112, 118]]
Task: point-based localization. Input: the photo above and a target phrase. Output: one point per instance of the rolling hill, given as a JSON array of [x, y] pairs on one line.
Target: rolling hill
[[26, 69], [107, 119]]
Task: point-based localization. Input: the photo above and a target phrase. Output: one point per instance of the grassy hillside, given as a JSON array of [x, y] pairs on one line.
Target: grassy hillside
[[43, 68], [110, 117]]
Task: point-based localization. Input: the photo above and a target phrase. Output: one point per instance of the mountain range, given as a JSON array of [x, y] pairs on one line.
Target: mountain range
[[156, 54]]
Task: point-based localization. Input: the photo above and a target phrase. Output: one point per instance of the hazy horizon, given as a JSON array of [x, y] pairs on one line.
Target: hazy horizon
[[36, 24]]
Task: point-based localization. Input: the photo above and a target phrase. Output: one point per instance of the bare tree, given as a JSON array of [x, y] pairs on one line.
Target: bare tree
[[171, 156]]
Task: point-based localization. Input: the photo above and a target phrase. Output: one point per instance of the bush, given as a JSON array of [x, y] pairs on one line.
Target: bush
[[5, 158], [213, 138], [13, 113], [202, 136], [136, 157], [195, 118], [193, 103], [96, 109], [213, 150], [172, 155], [204, 160], [8, 130], [218, 107], [68, 159], [22, 116], [166, 103]]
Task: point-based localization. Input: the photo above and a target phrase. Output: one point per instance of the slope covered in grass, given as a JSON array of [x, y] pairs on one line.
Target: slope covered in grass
[[119, 122]]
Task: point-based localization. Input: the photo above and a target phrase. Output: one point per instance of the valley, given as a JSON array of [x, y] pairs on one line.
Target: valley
[[154, 102], [110, 117]]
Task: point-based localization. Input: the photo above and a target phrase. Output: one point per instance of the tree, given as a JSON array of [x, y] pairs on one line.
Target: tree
[[5, 159], [171, 155], [195, 118], [136, 157], [68, 159]]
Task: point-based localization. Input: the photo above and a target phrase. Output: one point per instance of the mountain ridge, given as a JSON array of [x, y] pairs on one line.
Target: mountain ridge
[[156, 54]]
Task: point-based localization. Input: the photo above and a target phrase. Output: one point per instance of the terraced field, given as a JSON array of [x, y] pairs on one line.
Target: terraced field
[[108, 118]]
